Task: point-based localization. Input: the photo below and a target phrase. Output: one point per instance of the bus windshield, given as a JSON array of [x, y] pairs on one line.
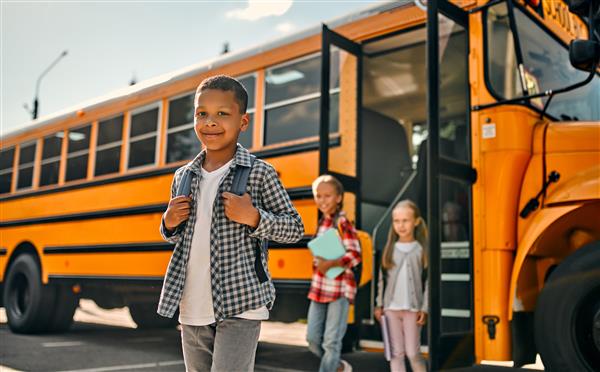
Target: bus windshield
[[547, 66]]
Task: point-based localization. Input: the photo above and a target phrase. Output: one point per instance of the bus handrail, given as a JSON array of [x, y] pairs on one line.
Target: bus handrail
[[385, 215]]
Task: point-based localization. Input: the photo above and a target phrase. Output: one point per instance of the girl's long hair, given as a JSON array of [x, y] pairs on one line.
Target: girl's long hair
[[421, 234]]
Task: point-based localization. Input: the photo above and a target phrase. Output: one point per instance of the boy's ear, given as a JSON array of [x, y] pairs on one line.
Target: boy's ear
[[245, 122]]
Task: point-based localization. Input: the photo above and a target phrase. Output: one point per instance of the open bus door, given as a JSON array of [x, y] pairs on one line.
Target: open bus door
[[341, 65], [449, 179], [341, 71]]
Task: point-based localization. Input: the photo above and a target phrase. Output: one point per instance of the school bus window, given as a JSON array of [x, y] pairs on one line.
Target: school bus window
[[51, 159], [77, 153], [249, 82], [299, 78], [546, 65], [245, 139], [142, 138], [108, 152], [298, 120], [292, 94], [181, 111], [7, 157], [182, 143], [26, 163]]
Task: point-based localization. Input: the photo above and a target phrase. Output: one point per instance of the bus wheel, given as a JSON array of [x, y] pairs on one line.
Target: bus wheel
[[567, 315], [145, 316], [64, 309], [26, 299]]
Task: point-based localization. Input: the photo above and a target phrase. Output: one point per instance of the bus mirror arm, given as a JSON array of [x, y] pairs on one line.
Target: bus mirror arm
[[534, 203]]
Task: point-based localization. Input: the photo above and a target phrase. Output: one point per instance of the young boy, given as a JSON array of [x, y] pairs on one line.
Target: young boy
[[212, 276]]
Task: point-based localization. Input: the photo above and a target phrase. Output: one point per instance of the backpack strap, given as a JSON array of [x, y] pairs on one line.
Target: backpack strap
[[238, 187], [240, 178], [185, 184]]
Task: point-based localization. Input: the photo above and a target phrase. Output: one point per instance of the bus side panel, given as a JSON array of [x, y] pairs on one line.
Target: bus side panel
[[505, 153]]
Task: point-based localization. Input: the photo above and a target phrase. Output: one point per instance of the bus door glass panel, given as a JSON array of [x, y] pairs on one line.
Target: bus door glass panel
[[453, 105], [394, 126], [455, 265], [343, 90]]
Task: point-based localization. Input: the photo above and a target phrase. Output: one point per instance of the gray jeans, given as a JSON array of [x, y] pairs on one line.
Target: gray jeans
[[227, 346]]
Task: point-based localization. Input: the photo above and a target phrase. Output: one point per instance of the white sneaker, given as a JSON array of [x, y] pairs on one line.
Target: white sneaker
[[347, 366]]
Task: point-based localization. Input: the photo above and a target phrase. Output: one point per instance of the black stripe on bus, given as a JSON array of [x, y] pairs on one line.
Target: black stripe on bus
[[3, 251], [295, 194], [292, 285], [148, 209], [302, 243], [111, 248], [97, 279], [170, 170], [280, 284]]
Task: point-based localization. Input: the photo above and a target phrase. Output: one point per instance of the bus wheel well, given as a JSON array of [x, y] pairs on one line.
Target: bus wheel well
[[23, 248]]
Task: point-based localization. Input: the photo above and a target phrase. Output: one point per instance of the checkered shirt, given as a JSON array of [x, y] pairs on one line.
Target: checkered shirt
[[323, 289], [235, 285]]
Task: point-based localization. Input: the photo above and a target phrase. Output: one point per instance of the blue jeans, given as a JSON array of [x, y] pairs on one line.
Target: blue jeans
[[326, 328]]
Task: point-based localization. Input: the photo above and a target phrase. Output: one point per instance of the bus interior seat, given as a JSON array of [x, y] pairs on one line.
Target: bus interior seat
[[386, 162]]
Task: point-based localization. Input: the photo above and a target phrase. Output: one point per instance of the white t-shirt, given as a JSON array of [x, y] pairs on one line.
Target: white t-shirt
[[401, 296], [196, 306]]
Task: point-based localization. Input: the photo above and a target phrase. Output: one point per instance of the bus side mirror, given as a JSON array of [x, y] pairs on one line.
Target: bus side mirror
[[584, 54]]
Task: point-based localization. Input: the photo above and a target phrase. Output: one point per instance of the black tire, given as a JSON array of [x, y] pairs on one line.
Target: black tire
[[145, 316], [26, 299], [64, 308], [565, 313]]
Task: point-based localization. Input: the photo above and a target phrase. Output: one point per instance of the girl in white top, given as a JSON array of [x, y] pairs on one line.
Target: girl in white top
[[402, 296]]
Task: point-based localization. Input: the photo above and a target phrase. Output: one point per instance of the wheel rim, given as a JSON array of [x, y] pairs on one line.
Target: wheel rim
[[20, 295], [587, 328]]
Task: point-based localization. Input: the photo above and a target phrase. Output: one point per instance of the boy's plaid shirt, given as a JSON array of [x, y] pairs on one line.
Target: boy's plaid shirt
[[235, 285], [323, 289]]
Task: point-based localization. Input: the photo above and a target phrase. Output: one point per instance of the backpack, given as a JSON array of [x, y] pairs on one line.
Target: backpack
[[365, 266], [238, 187]]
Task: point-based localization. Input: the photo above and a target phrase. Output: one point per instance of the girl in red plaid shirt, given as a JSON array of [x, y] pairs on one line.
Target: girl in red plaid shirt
[[331, 298]]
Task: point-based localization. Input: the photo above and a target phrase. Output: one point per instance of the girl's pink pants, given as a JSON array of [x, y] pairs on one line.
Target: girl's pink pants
[[405, 335]]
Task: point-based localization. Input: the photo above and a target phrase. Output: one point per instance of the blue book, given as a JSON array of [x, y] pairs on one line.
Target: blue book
[[328, 246]]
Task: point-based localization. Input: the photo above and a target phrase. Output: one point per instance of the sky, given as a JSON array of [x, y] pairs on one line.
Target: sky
[[110, 42]]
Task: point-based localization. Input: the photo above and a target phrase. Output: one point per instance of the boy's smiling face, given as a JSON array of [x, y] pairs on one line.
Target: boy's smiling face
[[217, 119]]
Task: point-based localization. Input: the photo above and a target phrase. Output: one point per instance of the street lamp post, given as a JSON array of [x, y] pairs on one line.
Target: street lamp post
[[37, 85]]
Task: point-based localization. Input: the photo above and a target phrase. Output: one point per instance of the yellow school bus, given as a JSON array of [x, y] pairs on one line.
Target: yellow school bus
[[456, 105]]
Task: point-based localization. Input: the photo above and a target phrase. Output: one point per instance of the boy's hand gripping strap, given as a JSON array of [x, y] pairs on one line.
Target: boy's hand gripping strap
[[238, 187]]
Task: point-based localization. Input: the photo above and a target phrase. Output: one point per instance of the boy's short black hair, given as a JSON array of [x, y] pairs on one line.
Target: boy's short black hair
[[228, 84]]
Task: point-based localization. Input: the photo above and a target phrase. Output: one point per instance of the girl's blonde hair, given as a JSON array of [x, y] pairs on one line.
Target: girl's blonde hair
[[421, 234], [339, 189]]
